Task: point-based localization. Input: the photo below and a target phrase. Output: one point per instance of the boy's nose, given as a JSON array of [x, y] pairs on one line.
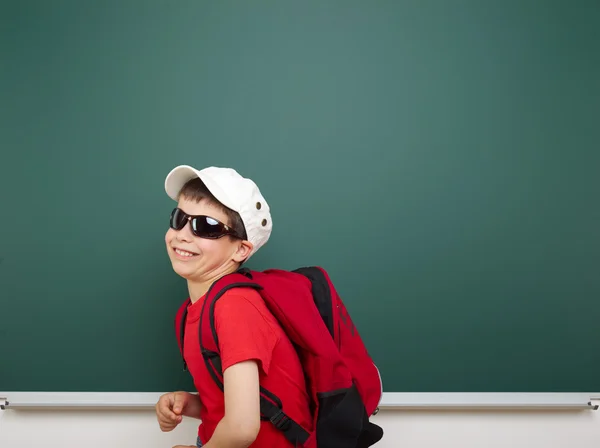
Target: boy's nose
[[185, 234]]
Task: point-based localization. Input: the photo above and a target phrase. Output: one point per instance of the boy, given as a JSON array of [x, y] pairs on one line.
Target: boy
[[220, 221]]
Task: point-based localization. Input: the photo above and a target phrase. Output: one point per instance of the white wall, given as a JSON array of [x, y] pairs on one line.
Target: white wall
[[414, 429]]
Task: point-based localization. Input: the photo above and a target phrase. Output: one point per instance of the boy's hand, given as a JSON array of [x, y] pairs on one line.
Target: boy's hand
[[184, 446], [169, 409]]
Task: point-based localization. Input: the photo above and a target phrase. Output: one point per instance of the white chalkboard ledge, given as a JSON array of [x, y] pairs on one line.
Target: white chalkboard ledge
[[390, 400]]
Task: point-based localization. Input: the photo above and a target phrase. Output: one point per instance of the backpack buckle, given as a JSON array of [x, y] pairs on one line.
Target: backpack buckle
[[280, 420]]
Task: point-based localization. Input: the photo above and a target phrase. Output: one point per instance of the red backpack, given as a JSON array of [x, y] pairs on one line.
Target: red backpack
[[343, 382]]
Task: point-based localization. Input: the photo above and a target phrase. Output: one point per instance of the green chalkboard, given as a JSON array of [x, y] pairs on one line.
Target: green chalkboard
[[440, 158]]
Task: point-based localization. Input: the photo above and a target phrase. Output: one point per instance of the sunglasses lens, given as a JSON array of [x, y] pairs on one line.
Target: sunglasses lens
[[178, 219], [202, 226], [207, 227]]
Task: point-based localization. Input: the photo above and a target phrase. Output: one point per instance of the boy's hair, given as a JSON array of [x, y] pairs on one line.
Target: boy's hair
[[195, 190]]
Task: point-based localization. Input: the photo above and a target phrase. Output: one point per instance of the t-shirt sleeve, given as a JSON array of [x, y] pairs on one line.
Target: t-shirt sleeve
[[244, 330]]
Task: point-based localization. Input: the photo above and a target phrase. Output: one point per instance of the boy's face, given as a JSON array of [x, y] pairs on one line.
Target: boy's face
[[199, 259]]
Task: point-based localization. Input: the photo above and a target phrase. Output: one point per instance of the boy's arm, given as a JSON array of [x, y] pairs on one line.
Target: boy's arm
[[241, 423]]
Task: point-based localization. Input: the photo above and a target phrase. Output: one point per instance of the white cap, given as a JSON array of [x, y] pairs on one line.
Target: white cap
[[232, 190]]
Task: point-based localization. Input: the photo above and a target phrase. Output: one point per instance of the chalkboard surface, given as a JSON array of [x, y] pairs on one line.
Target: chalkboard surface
[[439, 158]]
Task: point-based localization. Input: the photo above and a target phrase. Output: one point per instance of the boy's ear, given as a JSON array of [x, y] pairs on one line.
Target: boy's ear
[[243, 251]]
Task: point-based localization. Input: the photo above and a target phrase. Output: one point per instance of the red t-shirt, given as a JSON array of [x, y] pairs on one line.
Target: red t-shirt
[[247, 330]]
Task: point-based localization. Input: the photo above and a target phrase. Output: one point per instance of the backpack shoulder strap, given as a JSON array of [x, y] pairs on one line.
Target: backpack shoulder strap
[[180, 318], [212, 358], [271, 406]]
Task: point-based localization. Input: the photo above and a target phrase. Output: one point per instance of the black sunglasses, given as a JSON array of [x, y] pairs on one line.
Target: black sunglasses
[[202, 226]]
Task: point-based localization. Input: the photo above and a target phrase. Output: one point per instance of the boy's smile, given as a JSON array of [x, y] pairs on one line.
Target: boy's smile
[[184, 254]]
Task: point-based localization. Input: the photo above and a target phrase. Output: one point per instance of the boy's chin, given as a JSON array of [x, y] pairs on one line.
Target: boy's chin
[[185, 273]]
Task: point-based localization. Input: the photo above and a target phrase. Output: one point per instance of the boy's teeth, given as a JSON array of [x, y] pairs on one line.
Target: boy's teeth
[[184, 253]]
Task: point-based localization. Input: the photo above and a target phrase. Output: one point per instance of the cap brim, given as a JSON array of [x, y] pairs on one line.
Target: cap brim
[[177, 178]]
